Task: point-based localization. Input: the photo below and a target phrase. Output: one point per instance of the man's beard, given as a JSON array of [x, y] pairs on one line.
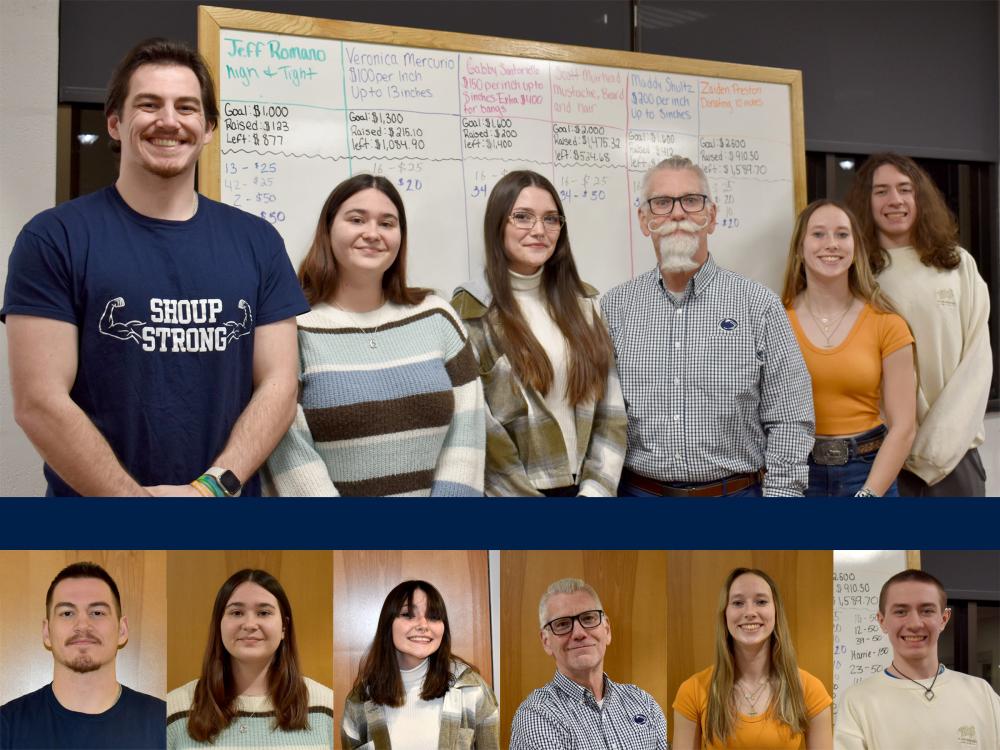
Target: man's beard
[[83, 665], [678, 245]]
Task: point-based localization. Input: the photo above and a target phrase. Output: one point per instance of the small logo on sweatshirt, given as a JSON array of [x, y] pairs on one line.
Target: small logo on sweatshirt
[[945, 297], [967, 736]]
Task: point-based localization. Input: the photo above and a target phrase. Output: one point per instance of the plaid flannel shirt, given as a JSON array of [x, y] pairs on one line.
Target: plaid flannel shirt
[[469, 717], [525, 449]]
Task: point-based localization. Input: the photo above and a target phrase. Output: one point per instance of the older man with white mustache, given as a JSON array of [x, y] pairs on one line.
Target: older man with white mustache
[[718, 397]]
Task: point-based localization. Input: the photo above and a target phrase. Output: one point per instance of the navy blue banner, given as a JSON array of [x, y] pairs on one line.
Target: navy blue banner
[[641, 523]]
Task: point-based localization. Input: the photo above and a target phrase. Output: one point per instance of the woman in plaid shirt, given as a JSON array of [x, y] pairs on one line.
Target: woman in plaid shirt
[[555, 415]]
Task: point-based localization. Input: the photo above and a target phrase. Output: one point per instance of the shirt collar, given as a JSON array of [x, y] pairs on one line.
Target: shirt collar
[[578, 692]]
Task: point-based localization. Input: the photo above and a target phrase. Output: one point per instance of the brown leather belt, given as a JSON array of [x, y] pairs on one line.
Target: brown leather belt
[[838, 451], [720, 488]]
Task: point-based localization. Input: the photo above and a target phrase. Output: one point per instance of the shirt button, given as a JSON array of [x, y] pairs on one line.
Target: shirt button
[[677, 381], [677, 456], [677, 345], [677, 417], [678, 311]]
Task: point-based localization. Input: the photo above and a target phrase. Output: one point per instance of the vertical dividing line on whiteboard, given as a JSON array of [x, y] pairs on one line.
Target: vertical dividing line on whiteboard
[[628, 175], [461, 165], [347, 124], [552, 124]]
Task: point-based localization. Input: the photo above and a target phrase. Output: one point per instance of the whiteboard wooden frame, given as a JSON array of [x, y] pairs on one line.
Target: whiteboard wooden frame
[[212, 19]]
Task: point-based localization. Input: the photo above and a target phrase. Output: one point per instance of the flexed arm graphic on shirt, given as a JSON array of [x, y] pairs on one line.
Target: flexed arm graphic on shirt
[[110, 327], [236, 330]]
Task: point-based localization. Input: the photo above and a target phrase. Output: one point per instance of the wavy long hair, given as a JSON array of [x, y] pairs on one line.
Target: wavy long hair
[[587, 342], [860, 278], [787, 702], [215, 706], [934, 234], [318, 273], [378, 677]]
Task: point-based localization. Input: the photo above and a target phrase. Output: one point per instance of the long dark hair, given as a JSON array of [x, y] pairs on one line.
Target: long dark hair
[[934, 234], [378, 677], [318, 273], [587, 341], [214, 705]]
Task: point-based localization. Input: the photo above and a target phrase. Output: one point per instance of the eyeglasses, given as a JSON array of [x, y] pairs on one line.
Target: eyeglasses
[[588, 620], [692, 203], [527, 220]]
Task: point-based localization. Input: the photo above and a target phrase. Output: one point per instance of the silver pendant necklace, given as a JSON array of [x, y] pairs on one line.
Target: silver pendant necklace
[[372, 344], [244, 718], [928, 689], [752, 698], [826, 327]]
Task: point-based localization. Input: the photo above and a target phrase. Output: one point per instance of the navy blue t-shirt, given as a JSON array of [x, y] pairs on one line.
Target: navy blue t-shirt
[[37, 720], [165, 312]]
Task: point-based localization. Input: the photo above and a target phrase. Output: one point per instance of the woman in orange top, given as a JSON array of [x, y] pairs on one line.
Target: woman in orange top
[[755, 697], [859, 353]]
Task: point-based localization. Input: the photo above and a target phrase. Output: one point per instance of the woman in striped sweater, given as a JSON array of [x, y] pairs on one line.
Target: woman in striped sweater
[[390, 401]]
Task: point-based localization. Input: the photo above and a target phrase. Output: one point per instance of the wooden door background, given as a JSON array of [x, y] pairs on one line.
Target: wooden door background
[[361, 580], [633, 590], [194, 578], [25, 577]]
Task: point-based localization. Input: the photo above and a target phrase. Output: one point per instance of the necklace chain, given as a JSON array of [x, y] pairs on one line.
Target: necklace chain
[[928, 689], [823, 323], [372, 344], [752, 697]]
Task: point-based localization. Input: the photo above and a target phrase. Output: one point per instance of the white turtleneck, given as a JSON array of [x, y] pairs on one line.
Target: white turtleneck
[[531, 299], [417, 724]]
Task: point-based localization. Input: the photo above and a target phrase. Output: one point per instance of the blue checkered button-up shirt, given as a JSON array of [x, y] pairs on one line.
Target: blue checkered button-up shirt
[[565, 716], [714, 381]]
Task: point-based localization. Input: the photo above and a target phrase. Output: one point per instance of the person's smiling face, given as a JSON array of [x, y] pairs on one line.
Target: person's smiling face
[[579, 653], [750, 612], [415, 635], [252, 625], [84, 630]]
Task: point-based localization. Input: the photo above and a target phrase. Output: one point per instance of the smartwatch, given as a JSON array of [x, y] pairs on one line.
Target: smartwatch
[[229, 482]]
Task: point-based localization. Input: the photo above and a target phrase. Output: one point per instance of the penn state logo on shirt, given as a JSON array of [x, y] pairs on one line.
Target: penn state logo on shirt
[[177, 325], [728, 324], [640, 718]]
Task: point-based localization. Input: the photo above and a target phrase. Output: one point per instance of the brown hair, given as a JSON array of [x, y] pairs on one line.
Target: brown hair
[[860, 279], [934, 234], [911, 574], [83, 570], [214, 705], [159, 51], [788, 702], [378, 677], [587, 341], [318, 272]]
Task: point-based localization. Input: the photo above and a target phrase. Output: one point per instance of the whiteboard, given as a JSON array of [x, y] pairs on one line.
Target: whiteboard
[[860, 648], [306, 103]]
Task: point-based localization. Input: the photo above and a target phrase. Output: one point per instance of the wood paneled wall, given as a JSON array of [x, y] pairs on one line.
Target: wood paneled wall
[[633, 590], [194, 579], [804, 578], [363, 578], [25, 577]]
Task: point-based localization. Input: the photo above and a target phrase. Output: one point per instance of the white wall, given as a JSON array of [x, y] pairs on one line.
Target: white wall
[[29, 56]]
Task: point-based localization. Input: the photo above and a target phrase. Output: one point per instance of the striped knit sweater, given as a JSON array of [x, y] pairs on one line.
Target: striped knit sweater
[[403, 418], [253, 726]]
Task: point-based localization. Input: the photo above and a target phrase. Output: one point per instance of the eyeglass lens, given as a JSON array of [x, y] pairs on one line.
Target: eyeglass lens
[[589, 619], [664, 204], [525, 220]]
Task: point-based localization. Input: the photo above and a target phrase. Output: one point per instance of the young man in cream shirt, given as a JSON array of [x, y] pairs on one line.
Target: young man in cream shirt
[[917, 704]]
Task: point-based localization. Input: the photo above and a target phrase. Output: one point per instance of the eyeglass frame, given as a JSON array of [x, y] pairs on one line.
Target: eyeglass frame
[[576, 619], [677, 199], [562, 221]]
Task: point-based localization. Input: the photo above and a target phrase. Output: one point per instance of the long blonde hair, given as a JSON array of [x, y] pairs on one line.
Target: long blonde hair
[[860, 279], [788, 702]]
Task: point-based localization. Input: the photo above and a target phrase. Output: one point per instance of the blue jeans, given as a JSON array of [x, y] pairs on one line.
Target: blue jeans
[[630, 490], [843, 481]]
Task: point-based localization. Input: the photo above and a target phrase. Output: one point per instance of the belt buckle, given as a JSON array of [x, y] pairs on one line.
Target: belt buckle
[[831, 452]]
